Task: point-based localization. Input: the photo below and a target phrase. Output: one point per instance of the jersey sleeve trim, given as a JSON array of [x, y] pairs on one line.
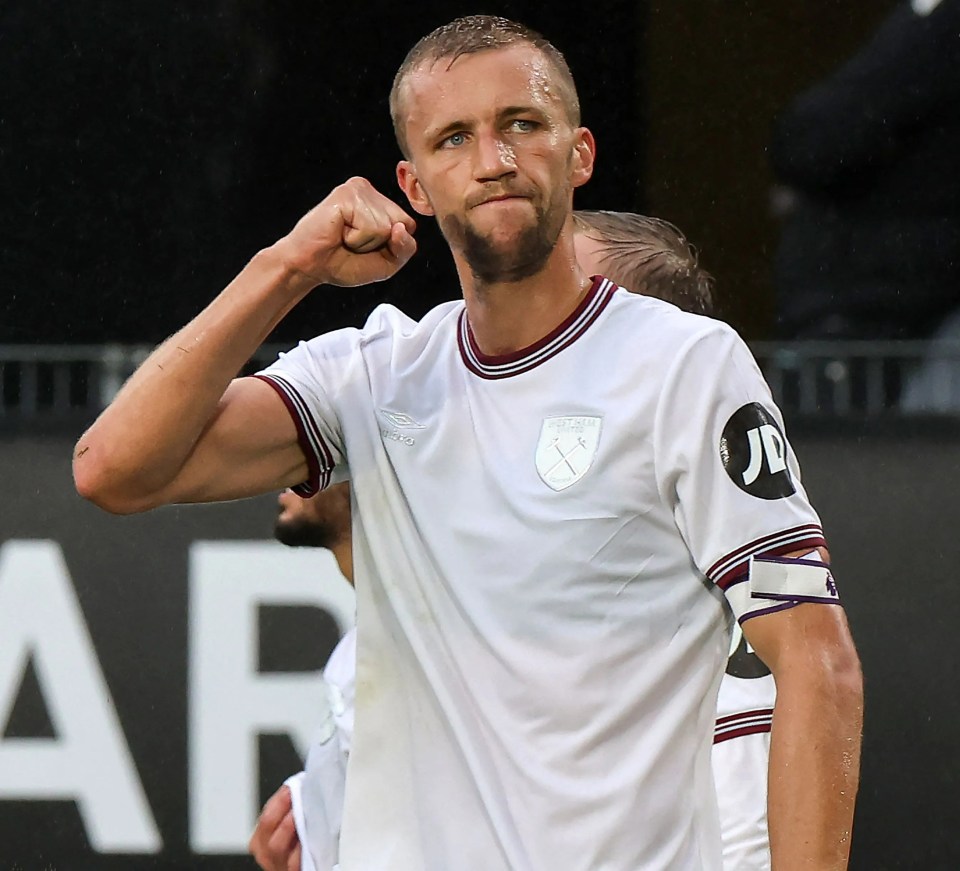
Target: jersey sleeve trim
[[773, 609], [319, 457], [744, 723], [735, 564]]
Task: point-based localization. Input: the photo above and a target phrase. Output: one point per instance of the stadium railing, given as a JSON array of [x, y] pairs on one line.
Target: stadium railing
[[67, 385]]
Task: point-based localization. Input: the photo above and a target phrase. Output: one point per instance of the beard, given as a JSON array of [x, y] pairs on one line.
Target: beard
[[305, 533], [494, 263]]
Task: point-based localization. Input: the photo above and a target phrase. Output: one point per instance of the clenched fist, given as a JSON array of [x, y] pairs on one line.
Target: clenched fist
[[355, 236]]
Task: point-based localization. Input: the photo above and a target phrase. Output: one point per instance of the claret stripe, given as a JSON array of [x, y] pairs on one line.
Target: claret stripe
[[319, 457], [741, 715], [601, 292], [728, 568], [744, 723]]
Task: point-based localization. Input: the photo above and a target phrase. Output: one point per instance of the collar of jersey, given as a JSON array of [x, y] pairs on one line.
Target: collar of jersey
[[553, 343]]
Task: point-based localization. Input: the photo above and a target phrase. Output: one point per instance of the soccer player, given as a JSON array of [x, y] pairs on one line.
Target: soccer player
[[562, 495], [303, 820], [651, 256]]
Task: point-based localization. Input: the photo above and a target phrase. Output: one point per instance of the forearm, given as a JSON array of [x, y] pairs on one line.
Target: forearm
[[814, 766], [175, 432], [146, 434]]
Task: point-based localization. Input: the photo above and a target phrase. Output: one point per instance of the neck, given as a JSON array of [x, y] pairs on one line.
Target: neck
[[509, 316], [343, 553]]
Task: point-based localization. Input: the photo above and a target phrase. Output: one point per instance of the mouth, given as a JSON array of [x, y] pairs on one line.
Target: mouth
[[503, 198]]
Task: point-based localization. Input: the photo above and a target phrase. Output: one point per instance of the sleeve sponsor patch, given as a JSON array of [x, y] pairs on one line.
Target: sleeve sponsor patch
[[753, 451]]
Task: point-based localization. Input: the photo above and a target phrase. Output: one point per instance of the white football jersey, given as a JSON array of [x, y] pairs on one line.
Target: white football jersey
[[318, 792], [741, 757], [340, 676], [541, 543]]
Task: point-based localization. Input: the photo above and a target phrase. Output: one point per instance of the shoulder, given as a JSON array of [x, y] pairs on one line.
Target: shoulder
[[666, 330], [691, 361], [387, 322], [385, 327]]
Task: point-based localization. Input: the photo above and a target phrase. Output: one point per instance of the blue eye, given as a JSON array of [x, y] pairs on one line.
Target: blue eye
[[524, 125], [455, 140]]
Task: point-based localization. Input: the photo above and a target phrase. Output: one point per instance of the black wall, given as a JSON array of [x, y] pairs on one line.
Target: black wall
[[148, 150]]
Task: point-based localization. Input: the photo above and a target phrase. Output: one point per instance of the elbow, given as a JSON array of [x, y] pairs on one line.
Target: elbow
[[96, 482]]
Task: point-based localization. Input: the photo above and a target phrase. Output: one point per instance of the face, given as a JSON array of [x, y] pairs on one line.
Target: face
[[494, 157], [320, 521]]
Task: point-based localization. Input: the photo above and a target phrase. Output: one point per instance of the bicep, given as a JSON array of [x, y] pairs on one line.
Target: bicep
[[811, 636], [249, 447]]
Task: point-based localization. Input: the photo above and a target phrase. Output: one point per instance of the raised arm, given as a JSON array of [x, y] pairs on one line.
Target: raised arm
[[815, 740], [182, 429]]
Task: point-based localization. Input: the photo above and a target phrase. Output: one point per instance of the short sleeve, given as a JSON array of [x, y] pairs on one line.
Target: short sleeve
[[724, 464], [309, 379]]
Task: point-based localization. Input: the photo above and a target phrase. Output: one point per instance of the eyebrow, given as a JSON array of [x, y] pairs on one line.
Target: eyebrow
[[519, 110], [448, 130], [503, 114]]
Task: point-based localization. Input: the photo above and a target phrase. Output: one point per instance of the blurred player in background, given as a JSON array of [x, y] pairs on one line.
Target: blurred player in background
[[303, 818], [646, 255], [559, 490]]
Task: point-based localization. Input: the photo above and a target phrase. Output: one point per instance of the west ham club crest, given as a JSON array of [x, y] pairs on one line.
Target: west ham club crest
[[566, 449]]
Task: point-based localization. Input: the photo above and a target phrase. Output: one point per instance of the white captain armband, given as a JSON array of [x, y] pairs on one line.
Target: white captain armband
[[776, 583]]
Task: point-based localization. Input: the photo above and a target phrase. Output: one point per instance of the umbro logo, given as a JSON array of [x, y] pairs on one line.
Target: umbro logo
[[396, 422], [400, 420]]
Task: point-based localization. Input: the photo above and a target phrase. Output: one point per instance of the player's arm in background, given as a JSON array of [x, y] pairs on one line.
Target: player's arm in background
[[815, 740], [182, 429]]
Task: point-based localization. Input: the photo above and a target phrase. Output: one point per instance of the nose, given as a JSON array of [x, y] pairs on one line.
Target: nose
[[495, 158]]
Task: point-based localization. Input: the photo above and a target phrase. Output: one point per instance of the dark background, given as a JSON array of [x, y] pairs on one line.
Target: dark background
[[155, 147], [147, 150]]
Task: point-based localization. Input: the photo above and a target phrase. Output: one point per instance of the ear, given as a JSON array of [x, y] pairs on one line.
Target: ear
[[584, 155], [410, 185]]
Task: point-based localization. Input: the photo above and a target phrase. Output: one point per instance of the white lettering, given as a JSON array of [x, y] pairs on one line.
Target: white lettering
[[773, 448], [765, 441], [397, 436], [752, 471], [230, 702], [88, 760]]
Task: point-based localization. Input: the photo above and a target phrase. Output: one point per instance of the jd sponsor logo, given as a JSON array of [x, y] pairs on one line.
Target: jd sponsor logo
[[753, 451]]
